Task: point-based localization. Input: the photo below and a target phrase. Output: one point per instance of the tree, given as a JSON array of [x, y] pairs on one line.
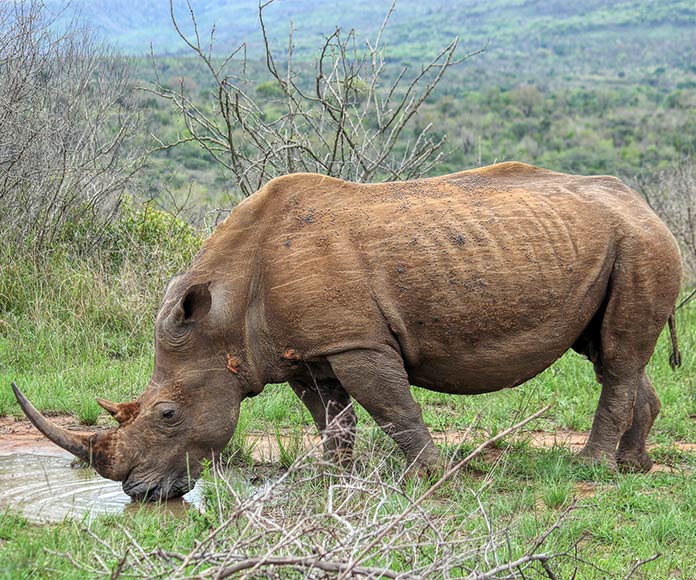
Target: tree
[[68, 127], [340, 116]]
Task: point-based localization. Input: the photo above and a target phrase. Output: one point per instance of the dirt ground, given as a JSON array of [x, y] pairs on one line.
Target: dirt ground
[[20, 436]]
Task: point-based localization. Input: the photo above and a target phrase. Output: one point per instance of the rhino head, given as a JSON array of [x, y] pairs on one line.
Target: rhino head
[[187, 413]]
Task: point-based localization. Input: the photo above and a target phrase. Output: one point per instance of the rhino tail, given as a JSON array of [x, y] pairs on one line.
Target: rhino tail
[[675, 359]]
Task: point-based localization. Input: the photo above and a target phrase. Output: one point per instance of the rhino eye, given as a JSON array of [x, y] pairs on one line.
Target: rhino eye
[[168, 413]]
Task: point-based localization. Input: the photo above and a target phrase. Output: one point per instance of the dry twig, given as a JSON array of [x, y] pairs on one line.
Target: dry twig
[[340, 117], [69, 122]]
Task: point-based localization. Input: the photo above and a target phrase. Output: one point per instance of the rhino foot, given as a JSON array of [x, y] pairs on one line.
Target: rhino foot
[[635, 462], [430, 471], [592, 455]]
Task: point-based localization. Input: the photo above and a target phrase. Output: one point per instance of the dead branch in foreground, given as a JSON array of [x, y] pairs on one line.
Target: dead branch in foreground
[[317, 521]]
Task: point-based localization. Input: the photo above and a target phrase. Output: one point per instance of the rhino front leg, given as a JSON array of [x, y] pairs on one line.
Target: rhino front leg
[[378, 381], [333, 414]]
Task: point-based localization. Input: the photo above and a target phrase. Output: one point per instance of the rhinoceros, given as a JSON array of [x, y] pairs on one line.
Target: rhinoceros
[[466, 283]]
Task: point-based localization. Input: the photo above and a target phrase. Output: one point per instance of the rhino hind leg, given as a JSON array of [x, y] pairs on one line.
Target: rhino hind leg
[[331, 408], [614, 416], [640, 300], [379, 382], [632, 454]]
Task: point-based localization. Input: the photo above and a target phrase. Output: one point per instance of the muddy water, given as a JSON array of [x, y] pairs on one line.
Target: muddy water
[[43, 487]]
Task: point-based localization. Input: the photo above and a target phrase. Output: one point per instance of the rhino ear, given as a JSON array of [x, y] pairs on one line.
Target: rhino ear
[[194, 304]]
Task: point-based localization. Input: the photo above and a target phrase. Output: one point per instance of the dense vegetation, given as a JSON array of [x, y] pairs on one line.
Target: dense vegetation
[[617, 129], [583, 87]]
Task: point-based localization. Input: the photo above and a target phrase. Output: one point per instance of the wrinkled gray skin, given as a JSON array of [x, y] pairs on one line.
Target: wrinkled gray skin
[[467, 283]]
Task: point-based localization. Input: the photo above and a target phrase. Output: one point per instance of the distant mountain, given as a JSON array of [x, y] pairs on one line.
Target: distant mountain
[[588, 31]]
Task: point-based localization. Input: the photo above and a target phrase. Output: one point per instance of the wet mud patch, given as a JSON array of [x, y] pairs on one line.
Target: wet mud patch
[[270, 448], [584, 489], [20, 436], [573, 441]]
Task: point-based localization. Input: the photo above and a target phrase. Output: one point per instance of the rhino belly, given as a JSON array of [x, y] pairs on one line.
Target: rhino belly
[[474, 371], [474, 346]]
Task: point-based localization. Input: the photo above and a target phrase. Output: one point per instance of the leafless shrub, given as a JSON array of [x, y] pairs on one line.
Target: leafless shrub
[[67, 119], [340, 116], [317, 522], [672, 194]]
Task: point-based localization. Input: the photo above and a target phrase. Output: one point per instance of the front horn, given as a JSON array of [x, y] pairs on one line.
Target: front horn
[[79, 444]]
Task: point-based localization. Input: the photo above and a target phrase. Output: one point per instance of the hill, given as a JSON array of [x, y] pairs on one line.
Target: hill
[[587, 35], [585, 86]]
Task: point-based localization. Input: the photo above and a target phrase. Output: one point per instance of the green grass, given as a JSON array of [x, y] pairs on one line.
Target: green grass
[[31, 551], [74, 327], [67, 335], [625, 518], [73, 330]]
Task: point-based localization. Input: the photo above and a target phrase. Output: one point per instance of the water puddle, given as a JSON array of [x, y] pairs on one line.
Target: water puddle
[[38, 481], [45, 488]]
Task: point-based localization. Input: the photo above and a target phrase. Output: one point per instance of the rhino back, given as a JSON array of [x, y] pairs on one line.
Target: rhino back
[[481, 279]]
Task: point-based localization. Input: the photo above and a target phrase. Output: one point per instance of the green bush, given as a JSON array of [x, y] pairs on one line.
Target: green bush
[[269, 90], [139, 233], [146, 230], [78, 321]]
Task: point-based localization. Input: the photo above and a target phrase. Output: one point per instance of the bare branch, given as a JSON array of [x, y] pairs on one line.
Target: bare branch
[[640, 563], [672, 194], [359, 523], [349, 123], [68, 145]]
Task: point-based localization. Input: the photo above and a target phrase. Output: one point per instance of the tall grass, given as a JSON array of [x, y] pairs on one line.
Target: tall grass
[[76, 324]]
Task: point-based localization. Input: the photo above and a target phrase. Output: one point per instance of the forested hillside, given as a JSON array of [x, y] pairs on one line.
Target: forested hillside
[[584, 87], [583, 127]]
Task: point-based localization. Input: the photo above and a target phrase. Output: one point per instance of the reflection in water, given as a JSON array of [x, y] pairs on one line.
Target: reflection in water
[[44, 488]]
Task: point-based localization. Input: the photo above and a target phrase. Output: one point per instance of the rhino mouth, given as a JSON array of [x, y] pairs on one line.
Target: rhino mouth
[[161, 491]]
